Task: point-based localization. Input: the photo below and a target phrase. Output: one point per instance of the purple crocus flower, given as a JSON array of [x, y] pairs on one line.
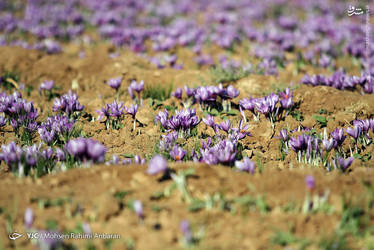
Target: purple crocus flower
[[31, 155], [86, 228], [76, 147], [189, 91], [310, 182], [46, 85], [29, 218], [95, 150], [232, 92], [157, 165], [14, 124], [178, 93], [47, 153], [248, 104], [186, 230], [297, 143], [247, 165], [68, 103], [284, 135], [132, 110], [138, 208], [354, 132], [240, 132], [226, 152], [137, 87], [11, 153], [342, 163], [115, 83], [177, 153], [339, 137], [162, 117], [86, 149], [60, 154], [225, 126], [209, 121], [49, 242], [139, 160], [3, 121], [328, 144], [116, 109]]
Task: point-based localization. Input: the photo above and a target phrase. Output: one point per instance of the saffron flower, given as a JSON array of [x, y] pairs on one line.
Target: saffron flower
[[286, 101], [310, 182], [138, 208], [338, 136], [68, 104], [354, 132], [177, 153], [132, 110], [183, 121], [177, 93], [86, 150], [156, 165], [342, 164], [29, 218], [115, 83], [3, 121], [209, 121], [284, 135], [46, 85], [328, 144], [186, 230], [138, 88], [225, 126], [247, 165]]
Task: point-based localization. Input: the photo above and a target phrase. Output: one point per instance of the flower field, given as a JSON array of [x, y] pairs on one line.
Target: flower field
[[186, 124]]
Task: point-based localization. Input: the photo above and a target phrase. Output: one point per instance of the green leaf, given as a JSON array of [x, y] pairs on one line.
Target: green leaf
[[128, 155], [213, 112], [158, 195], [231, 112], [196, 205]]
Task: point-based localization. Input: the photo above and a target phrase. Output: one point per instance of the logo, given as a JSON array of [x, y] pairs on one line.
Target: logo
[[355, 11], [14, 236]]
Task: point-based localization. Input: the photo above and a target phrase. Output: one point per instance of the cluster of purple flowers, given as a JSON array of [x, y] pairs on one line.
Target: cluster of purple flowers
[[246, 166], [311, 149], [116, 160], [68, 104], [268, 105], [360, 131], [114, 113], [342, 81], [86, 150], [268, 67], [233, 133], [19, 112], [165, 60], [29, 160], [169, 145], [223, 152], [183, 121], [307, 148], [169, 25], [55, 129], [209, 96]]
